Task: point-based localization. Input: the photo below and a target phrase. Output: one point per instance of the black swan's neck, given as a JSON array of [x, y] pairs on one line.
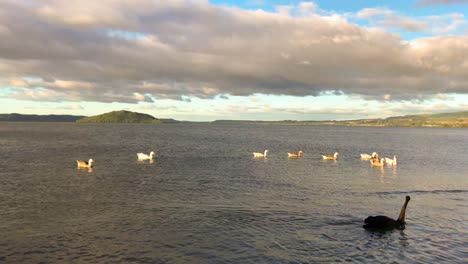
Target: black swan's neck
[[401, 217]]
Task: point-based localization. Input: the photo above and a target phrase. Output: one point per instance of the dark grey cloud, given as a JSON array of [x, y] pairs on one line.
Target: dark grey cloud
[[116, 51]]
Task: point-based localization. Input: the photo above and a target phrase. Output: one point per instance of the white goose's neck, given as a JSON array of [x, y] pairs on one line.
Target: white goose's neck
[[265, 153]]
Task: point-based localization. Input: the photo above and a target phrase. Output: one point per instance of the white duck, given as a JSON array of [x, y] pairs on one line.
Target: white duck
[[143, 156], [377, 163], [391, 162], [295, 154], [85, 164], [330, 157], [367, 156], [260, 155]]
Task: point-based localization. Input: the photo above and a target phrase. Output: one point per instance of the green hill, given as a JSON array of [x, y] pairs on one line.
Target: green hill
[[121, 117]]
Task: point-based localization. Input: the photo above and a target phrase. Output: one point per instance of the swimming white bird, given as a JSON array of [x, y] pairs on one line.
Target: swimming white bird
[[377, 163], [375, 156], [84, 164], [391, 162], [260, 155], [295, 154], [330, 157], [367, 156], [143, 156]]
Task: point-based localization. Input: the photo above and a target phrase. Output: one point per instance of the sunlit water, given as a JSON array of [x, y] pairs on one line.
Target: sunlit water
[[206, 200]]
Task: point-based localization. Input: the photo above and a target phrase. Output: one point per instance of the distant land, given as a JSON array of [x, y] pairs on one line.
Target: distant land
[[457, 119], [125, 117], [38, 118]]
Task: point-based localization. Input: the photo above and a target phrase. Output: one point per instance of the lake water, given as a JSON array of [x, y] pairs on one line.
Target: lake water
[[205, 199]]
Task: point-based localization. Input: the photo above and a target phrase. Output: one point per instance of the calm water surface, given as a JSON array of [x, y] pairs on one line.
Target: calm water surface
[[206, 200]]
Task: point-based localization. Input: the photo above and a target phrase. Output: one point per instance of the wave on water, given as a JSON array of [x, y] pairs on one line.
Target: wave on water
[[355, 221], [421, 192]]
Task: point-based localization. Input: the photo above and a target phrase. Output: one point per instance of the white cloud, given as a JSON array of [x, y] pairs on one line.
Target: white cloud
[[142, 97], [71, 107], [62, 50], [374, 12], [236, 109], [284, 10], [52, 84], [389, 19], [440, 2], [17, 82], [307, 8], [41, 94], [254, 99], [159, 108]]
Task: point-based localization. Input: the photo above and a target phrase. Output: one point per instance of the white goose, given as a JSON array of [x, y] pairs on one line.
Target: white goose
[[260, 155], [295, 154], [330, 157], [143, 156], [391, 162], [377, 163], [85, 164], [367, 156]]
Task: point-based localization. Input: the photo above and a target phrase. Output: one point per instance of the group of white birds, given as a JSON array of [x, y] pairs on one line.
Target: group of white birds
[[374, 158], [295, 155], [379, 162], [290, 154], [140, 155]]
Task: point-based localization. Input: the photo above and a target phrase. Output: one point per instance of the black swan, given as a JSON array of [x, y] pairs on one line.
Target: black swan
[[384, 222]]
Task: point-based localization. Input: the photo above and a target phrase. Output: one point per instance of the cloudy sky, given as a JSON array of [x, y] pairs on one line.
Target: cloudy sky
[[253, 59]]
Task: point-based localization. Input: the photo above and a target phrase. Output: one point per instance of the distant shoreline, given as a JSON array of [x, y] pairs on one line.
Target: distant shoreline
[[242, 123], [445, 120]]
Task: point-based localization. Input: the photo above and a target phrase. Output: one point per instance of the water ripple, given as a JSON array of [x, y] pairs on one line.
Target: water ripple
[[204, 199]]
